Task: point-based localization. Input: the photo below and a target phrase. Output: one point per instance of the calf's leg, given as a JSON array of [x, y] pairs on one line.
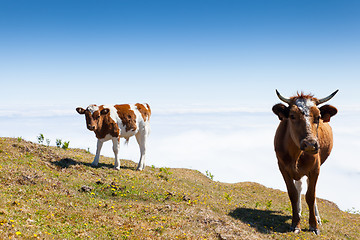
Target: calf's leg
[[97, 155], [116, 147], [141, 139]]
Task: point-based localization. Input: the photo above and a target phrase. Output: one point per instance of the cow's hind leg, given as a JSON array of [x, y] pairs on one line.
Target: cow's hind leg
[[317, 214], [116, 147], [141, 139], [97, 155], [298, 185]]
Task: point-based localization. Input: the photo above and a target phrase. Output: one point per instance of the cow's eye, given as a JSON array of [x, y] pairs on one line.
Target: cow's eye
[[96, 116], [292, 116]]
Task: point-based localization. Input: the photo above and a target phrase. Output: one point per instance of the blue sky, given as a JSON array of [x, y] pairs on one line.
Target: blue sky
[[177, 52], [186, 57]]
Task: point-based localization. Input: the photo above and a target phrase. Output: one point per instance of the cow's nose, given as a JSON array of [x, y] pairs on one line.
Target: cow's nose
[[309, 146], [90, 127]]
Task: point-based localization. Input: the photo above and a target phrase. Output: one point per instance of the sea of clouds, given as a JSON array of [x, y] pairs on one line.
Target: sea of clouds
[[233, 144]]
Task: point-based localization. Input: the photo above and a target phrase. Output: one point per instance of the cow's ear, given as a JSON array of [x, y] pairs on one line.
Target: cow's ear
[[80, 110], [281, 111], [105, 111], [327, 111]]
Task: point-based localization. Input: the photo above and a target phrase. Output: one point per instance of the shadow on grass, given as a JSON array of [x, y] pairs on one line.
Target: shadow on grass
[[264, 221], [68, 162]]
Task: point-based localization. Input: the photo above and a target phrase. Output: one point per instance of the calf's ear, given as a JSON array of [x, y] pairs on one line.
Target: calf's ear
[[104, 111], [80, 110], [327, 111], [281, 111]]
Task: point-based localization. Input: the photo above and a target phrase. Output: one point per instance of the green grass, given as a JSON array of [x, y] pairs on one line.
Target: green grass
[[52, 193]]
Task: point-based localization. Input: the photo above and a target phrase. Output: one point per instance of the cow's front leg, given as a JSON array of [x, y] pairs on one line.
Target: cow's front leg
[[116, 147], [294, 198], [310, 199], [317, 214], [97, 155]]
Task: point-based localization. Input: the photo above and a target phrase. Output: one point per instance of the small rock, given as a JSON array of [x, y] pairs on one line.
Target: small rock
[[26, 180], [86, 189]]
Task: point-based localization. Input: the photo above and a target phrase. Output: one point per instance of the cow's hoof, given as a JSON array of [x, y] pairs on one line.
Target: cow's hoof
[[117, 168], [316, 231], [139, 169], [295, 230], [94, 165]]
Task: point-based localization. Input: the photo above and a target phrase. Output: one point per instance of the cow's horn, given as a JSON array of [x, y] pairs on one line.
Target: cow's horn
[[286, 100], [320, 101]]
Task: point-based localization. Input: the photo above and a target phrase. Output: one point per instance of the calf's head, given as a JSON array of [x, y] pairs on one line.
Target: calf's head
[[304, 117], [94, 116]]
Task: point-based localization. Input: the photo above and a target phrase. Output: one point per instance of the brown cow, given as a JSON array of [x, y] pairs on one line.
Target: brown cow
[[303, 141]]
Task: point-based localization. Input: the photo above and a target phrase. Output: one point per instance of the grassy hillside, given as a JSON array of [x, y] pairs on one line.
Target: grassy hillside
[[52, 193]]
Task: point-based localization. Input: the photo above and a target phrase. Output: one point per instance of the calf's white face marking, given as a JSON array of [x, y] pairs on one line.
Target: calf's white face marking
[[93, 108]]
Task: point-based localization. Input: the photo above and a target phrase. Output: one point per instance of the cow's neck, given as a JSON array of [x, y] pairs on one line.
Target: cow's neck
[[103, 125]]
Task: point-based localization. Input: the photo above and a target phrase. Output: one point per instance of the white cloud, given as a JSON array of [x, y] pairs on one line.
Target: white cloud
[[233, 146]]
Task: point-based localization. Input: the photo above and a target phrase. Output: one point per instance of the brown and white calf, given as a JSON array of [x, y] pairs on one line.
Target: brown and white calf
[[118, 121], [303, 141]]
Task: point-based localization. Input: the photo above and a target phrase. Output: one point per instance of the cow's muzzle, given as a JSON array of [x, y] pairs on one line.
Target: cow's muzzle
[[90, 127], [309, 146]]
